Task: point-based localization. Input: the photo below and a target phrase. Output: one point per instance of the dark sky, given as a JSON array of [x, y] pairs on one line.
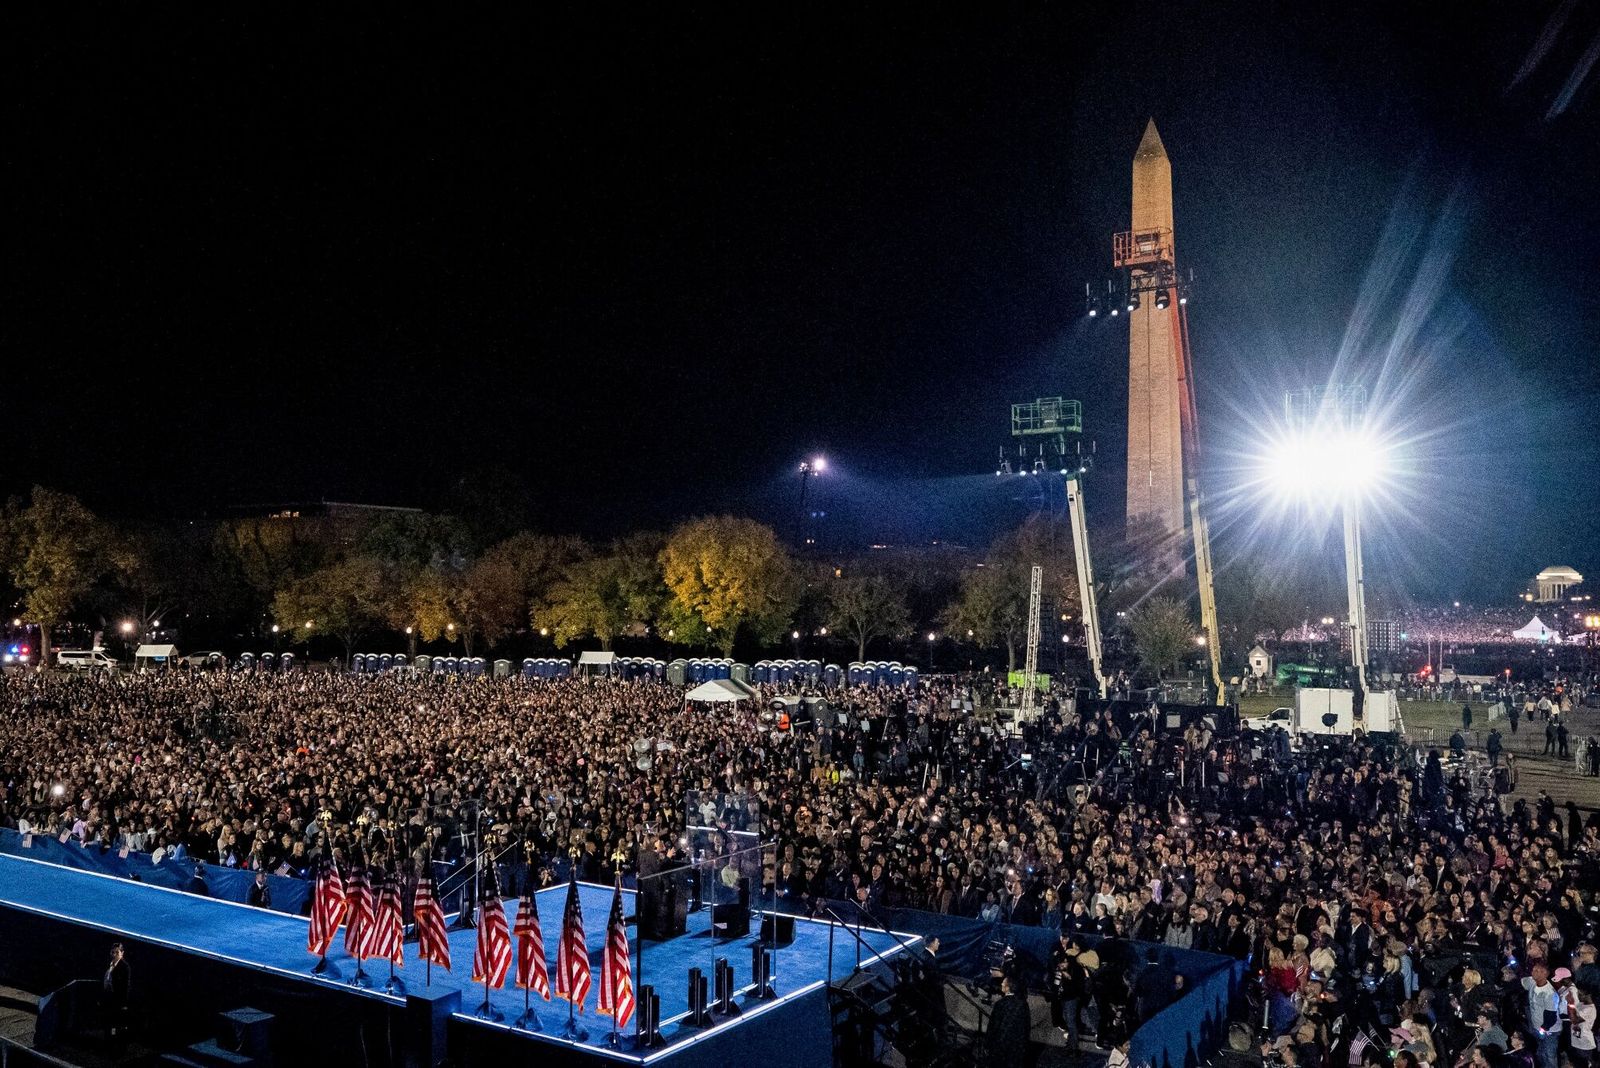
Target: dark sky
[[644, 264]]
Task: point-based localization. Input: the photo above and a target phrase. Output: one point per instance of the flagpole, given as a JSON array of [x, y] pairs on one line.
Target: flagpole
[[616, 859], [427, 870], [393, 885]]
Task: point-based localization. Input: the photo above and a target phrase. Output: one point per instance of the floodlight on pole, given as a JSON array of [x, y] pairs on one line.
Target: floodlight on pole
[[808, 469], [1329, 455]]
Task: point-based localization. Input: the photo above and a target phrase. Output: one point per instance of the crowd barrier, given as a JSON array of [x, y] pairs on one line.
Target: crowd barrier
[[225, 884], [1188, 1031], [1182, 1035]]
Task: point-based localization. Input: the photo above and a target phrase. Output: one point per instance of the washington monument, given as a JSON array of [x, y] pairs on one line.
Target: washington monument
[[1155, 443]]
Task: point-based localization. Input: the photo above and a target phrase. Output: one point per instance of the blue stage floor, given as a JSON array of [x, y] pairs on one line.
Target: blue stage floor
[[275, 943]]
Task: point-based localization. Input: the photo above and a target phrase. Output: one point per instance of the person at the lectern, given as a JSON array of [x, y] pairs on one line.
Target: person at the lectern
[[114, 987]]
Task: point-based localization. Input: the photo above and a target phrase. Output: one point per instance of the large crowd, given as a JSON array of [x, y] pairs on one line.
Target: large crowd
[[1390, 907]]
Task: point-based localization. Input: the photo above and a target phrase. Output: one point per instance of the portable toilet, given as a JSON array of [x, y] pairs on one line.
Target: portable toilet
[[721, 669], [856, 673], [399, 662], [385, 662], [832, 675], [911, 676], [358, 663], [678, 672], [502, 669], [285, 662], [267, 662], [247, 661], [423, 663], [897, 674], [740, 673]]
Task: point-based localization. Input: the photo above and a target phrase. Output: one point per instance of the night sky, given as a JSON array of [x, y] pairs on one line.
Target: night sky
[[642, 265]]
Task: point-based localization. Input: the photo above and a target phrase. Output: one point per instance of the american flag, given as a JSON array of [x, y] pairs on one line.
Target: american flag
[[572, 958], [358, 920], [492, 959], [433, 944], [388, 928], [616, 977], [327, 909], [1358, 1046], [532, 974]]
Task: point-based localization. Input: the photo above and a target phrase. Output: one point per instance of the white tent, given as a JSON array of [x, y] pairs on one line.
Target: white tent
[[1535, 631], [721, 690], [149, 656], [597, 658]]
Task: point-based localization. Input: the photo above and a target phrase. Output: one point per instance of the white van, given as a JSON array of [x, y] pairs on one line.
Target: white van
[[85, 660]]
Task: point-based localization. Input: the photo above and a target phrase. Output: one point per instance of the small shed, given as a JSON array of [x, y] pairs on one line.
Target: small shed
[[1260, 662]]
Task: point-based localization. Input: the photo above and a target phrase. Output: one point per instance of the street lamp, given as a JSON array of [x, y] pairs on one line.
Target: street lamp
[[932, 637]]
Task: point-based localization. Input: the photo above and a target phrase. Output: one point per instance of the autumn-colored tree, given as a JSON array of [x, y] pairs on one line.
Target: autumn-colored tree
[[867, 605], [729, 575], [606, 596], [265, 554], [344, 599], [55, 550]]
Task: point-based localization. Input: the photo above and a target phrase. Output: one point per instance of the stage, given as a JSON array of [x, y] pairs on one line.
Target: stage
[[67, 904]]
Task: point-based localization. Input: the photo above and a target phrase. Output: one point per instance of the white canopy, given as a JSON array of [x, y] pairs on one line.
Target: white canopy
[[155, 652], [603, 659], [724, 690], [1534, 631]]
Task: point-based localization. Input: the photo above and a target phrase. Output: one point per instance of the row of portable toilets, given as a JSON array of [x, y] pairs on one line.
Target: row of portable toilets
[[789, 670], [264, 662], [532, 668], [881, 673]]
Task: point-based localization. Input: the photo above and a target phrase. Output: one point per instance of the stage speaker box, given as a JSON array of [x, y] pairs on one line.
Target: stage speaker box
[[424, 1028], [777, 928], [730, 921], [246, 1031]]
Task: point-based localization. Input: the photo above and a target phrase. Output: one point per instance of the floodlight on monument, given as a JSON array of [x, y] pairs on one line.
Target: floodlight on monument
[[1133, 300], [1163, 299]]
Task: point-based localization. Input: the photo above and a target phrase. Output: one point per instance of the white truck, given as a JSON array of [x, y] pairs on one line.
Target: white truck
[[1327, 711]]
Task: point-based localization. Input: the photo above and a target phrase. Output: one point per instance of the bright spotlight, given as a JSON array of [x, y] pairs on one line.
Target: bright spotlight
[[58, 790], [819, 464], [1327, 465]]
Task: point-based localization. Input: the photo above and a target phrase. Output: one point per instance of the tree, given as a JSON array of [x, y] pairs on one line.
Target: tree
[[728, 574], [991, 609], [344, 599], [1162, 633], [1250, 604], [55, 551], [867, 605], [267, 554], [606, 596], [993, 601]]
